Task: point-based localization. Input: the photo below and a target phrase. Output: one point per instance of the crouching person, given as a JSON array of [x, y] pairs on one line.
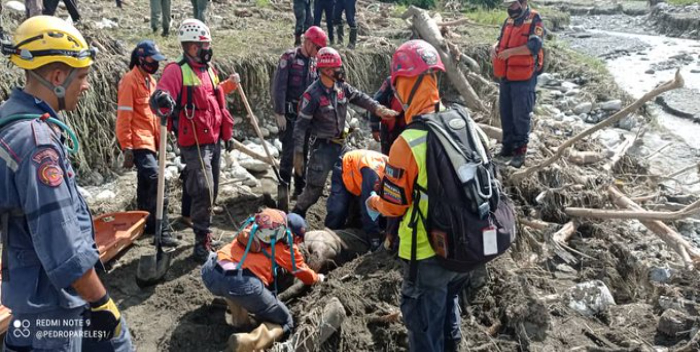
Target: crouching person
[[243, 271]]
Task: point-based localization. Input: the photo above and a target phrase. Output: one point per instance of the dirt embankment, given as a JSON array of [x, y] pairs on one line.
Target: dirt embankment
[[677, 21]]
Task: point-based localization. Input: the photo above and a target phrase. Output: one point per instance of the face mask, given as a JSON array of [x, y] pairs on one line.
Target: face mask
[[339, 75], [205, 55], [515, 13], [150, 67]]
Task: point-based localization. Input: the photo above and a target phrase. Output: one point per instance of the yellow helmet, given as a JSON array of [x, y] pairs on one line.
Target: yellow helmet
[[42, 40]]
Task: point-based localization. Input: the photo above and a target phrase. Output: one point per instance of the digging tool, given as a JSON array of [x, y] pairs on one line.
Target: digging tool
[[282, 187], [152, 267]]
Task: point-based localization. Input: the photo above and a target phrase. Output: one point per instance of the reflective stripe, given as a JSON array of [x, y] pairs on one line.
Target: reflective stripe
[[308, 117], [125, 108], [423, 196], [11, 163], [418, 141]]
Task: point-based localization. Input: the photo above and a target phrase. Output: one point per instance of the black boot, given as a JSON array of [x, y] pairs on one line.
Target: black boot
[[353, 38], [340, 34], [168, 240], [519, 158], [202, 247], [506, 151], [297, 39]]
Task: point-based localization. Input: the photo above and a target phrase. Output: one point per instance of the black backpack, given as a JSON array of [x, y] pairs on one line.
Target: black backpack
[[470, 221]]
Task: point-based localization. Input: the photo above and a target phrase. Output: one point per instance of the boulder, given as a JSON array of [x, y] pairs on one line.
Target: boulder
[[589, 298], [583, 108], [612, 105], [660, 275], [254, 165], [265, 132], [16, 6], [567, 86], [105, 196], [674, 323]]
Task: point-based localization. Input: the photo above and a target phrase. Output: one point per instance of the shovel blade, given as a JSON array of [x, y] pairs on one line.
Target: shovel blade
[[152, 268]]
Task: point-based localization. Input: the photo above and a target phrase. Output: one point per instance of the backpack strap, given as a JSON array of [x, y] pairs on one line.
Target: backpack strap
[[247, 247], [4, 228], [274, 264], [416, 215]]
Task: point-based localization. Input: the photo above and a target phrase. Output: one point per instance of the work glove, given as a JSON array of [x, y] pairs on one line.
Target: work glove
[[128, 159], [373, 214], [230, 145], [162, 103], [235, 78], [321, 278], [386, 113], [104, 319], [281, 122], [299, 163], [376, 136]]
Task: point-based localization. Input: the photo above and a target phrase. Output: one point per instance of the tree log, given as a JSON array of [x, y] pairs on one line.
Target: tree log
[[640, 214], [565, 232], [620, 151], [492, 132], [429, 31], [247, 151], [677, 82], [687, 251], [584, 158]]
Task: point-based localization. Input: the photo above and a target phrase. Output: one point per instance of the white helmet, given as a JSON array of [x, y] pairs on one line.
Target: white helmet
[[192, 30]]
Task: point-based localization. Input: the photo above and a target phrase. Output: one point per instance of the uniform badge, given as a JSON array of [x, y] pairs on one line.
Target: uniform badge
[[45, 154], [50, 174], [341, 94], [283, 62], [393, 193], [304, 102], [324, 101]]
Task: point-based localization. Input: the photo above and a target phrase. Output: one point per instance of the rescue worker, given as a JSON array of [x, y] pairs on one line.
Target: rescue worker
[[160, 8], [49, 255], [324, 7], [322, 113], [50, 7], [199, 9], [138, 132], [304, 19], [517, 60], [243, 270], [347, 6], [429, 303], [354, 180], [385, 131], [199, 119], [295, 72]]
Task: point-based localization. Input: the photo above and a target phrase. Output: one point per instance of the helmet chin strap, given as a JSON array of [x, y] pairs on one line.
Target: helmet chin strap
[[58, 91]]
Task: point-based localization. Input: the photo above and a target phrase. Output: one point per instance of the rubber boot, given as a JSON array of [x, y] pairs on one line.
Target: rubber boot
[[263, 337], [202, 247], [297, 39], [519, 158], [238, 317], [340, 34], [353, 38]]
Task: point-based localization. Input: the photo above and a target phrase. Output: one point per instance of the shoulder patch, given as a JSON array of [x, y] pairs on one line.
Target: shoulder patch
[[393, 172], [539, 31], [48, 154], [304, 101], [50, 174], [391, 192]]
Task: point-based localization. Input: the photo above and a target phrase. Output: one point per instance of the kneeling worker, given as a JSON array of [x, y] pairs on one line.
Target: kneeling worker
[[243, 270], [354, 180]]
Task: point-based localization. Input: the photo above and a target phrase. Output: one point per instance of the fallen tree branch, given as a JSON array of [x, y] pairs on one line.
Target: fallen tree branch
[[641, 214], [584, 158], [620, 151], [565, 232], [249, 152], [687, 251], [684, 170], [428, 30], [677, 82], [492, 132]]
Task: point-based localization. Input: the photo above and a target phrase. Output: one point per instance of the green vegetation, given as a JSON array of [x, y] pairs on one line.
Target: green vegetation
[[262, 3], [484, 16], [683, 2]]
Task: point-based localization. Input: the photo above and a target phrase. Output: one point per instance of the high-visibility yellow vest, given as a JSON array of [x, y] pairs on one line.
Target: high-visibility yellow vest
[[417, 141]]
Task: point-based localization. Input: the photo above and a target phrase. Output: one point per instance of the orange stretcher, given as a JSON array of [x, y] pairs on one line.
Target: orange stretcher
[[114, 232]]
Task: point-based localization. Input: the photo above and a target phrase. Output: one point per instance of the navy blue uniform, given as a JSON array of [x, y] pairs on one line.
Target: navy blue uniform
[[295, 72], [322, 114], [48, 230]]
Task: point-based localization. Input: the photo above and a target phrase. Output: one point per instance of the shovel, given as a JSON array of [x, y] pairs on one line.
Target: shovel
[[152, 267], [282, 186]]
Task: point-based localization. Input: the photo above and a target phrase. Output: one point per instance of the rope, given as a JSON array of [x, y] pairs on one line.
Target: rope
[[204, 170]]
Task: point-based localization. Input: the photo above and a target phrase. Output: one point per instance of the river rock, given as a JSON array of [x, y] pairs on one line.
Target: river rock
[[612, 105], [660, 275], [94, 178], [170, 155], [650, 72], [589, 298], [265, 132], [572, 92], [567, 86], [85, 193], [253, 165], [583, 108], [627, 123], [277, 144], [694, 71], [105, 195], [273, 129], [544, 78], [674, 323], [16, 6], [106, 24]]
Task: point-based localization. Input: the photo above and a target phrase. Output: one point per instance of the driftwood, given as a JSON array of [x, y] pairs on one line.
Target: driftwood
[[428, 30], [584, 158], [385, 319], [331, 318], [687, 251], [247, 151], [677, 82], [565, 232], [640, 214], [492, 132], [620, 151]]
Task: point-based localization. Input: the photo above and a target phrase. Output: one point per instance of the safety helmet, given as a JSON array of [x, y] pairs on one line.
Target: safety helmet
[[413, 58], [317, 36], [328, 57], [42, 40], [192, 30]]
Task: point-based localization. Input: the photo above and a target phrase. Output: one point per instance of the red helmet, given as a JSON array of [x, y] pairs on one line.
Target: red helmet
[[317, 36], [328, 57], [413, 58]]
